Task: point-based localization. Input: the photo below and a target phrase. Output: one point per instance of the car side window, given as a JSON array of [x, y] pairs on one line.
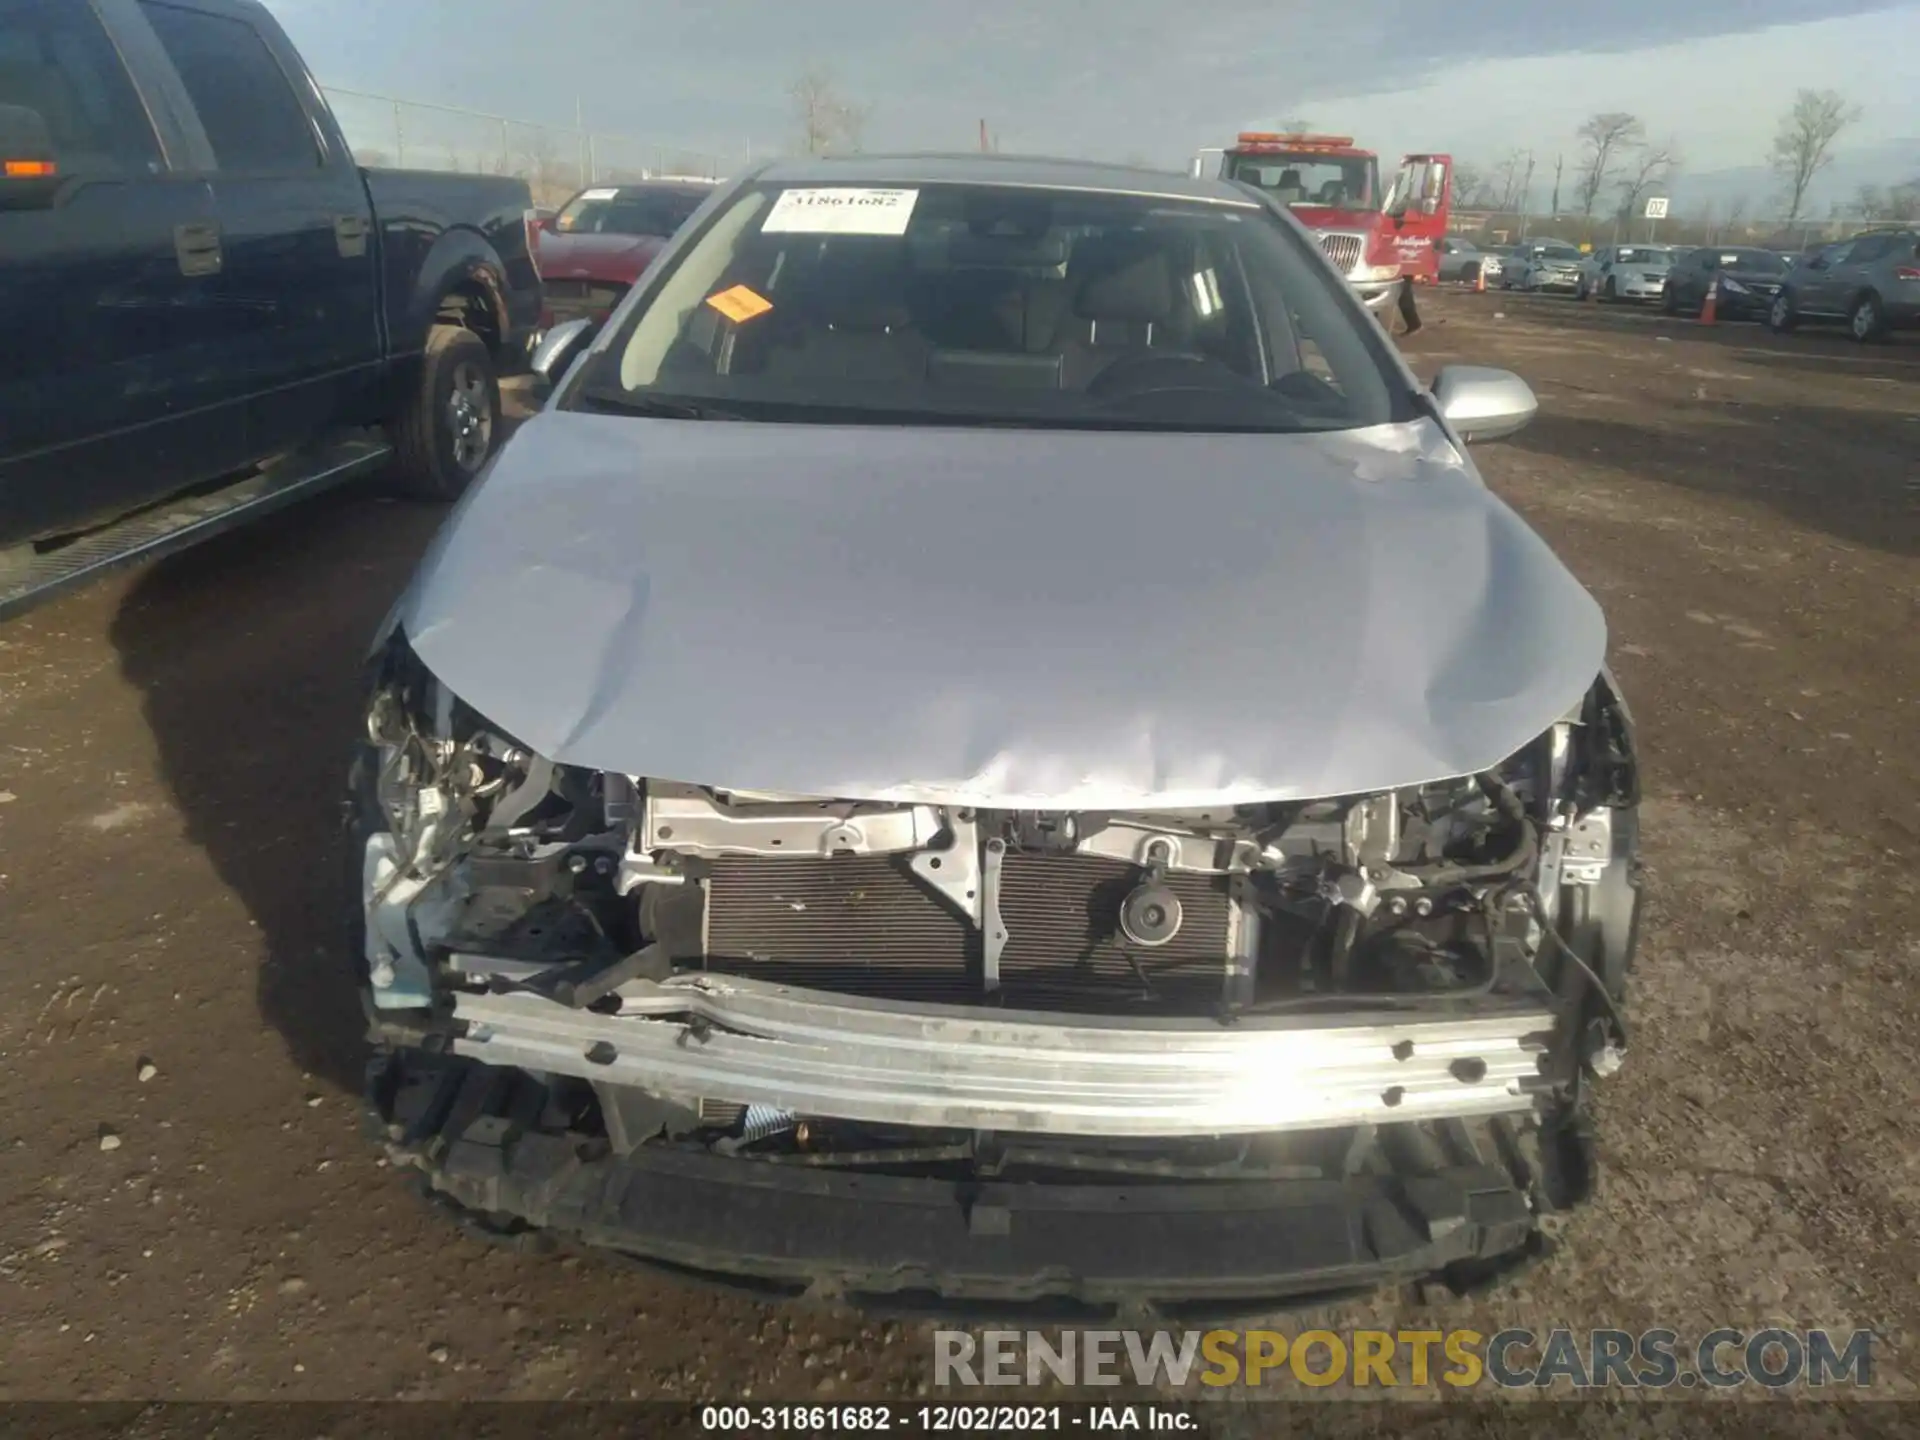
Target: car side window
[[252, 117], [62, 76], [1874, 247]]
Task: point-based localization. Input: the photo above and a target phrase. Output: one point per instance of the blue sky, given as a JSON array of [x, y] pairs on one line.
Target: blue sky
[[1145, 78]]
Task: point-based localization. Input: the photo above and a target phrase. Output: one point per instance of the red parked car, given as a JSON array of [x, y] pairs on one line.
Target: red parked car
[[604, 237]]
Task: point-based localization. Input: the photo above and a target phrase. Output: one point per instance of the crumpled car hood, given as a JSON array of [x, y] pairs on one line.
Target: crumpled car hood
[[1001, 617]]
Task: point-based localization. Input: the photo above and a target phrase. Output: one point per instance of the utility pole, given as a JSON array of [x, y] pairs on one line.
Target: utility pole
[[1559, 164], [984, 147], [1526, 197]]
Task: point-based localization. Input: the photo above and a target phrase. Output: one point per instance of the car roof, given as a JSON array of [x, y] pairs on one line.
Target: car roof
[[1029, 172], [678, 185]]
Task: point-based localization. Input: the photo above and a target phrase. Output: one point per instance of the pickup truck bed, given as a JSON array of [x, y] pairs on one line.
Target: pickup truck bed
[[208, 308]]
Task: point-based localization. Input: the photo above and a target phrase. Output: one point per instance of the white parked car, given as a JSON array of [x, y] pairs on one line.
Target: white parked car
[[1626, 272]]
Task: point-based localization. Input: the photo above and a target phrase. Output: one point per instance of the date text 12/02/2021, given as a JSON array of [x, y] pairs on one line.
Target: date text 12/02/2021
[[943, 1419]]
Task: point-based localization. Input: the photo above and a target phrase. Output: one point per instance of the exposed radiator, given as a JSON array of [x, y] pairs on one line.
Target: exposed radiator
[[1343, 248], [863, 925]]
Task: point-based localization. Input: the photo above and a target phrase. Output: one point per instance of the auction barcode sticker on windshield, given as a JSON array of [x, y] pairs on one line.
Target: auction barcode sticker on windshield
[[842, 210]]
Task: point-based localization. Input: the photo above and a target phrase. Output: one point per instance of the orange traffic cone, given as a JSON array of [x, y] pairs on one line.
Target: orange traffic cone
[[1710, 311], [1479, 280]]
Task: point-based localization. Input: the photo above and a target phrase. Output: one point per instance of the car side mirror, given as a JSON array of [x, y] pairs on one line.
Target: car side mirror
[[1483, 404], [560, 347]]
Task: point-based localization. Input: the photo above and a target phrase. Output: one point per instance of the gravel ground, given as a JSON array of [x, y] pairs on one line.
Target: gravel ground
[[193, 1214]]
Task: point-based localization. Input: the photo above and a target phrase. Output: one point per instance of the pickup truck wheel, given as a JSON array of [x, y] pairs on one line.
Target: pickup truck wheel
[[447, 432]]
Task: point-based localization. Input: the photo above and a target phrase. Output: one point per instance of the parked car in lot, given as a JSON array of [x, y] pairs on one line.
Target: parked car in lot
[[204, 297], [1626, 272], [601, 240], [1542, 265], [1870, 282], [837, 809], [1748, 280], [1459, 259]]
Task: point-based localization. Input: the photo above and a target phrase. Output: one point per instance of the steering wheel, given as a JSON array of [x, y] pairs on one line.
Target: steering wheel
[[1167, 370]]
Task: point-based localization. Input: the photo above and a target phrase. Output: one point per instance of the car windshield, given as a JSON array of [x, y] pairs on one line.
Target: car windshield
[[1556, 252], [1644, 256], [1764, 262], [1346, 182], [627, 212], [973, 304]]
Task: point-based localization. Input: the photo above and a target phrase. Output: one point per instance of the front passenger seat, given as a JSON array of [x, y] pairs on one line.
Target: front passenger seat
[[1124, 303]]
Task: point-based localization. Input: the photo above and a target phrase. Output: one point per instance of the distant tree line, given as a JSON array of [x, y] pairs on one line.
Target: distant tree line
[[1617, 168]]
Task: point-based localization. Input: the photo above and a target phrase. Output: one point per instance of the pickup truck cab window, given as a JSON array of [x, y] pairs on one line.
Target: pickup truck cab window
[[250, 113], [58, 64]]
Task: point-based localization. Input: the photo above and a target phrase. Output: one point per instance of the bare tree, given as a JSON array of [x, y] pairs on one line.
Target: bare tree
[[1294, 125], [1506, 180], [1737, 219], [1895, 204], [828, 120], [1650, 168], [550, 178], [1470, 184], [1607, 137], [1804, 143], [1708, 220], [1559, 167]]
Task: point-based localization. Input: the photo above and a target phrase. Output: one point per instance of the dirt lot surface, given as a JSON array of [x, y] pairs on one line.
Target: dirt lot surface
[[192, 1212]]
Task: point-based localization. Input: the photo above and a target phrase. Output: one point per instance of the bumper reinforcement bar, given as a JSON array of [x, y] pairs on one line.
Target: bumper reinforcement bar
[[942, 1067]]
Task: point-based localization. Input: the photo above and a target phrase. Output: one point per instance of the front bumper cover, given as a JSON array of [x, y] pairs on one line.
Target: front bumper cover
[[936, 1246]]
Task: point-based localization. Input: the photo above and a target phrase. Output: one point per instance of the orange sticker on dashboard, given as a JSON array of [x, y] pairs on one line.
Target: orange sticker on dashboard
[[740, 304]]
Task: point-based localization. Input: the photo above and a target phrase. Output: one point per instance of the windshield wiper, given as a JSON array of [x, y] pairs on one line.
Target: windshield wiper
[[663, 406]]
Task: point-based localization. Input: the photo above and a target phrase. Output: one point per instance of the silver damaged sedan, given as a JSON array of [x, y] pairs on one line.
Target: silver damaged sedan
[[990, 749]]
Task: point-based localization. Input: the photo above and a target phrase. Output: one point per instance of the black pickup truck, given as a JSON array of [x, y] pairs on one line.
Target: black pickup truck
[[207, 310]]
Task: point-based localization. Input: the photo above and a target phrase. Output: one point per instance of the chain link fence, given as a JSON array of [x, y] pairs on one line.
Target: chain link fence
[[554, 161]]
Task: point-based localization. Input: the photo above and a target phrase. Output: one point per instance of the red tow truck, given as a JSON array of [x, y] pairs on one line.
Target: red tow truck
[[1373, 237]]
